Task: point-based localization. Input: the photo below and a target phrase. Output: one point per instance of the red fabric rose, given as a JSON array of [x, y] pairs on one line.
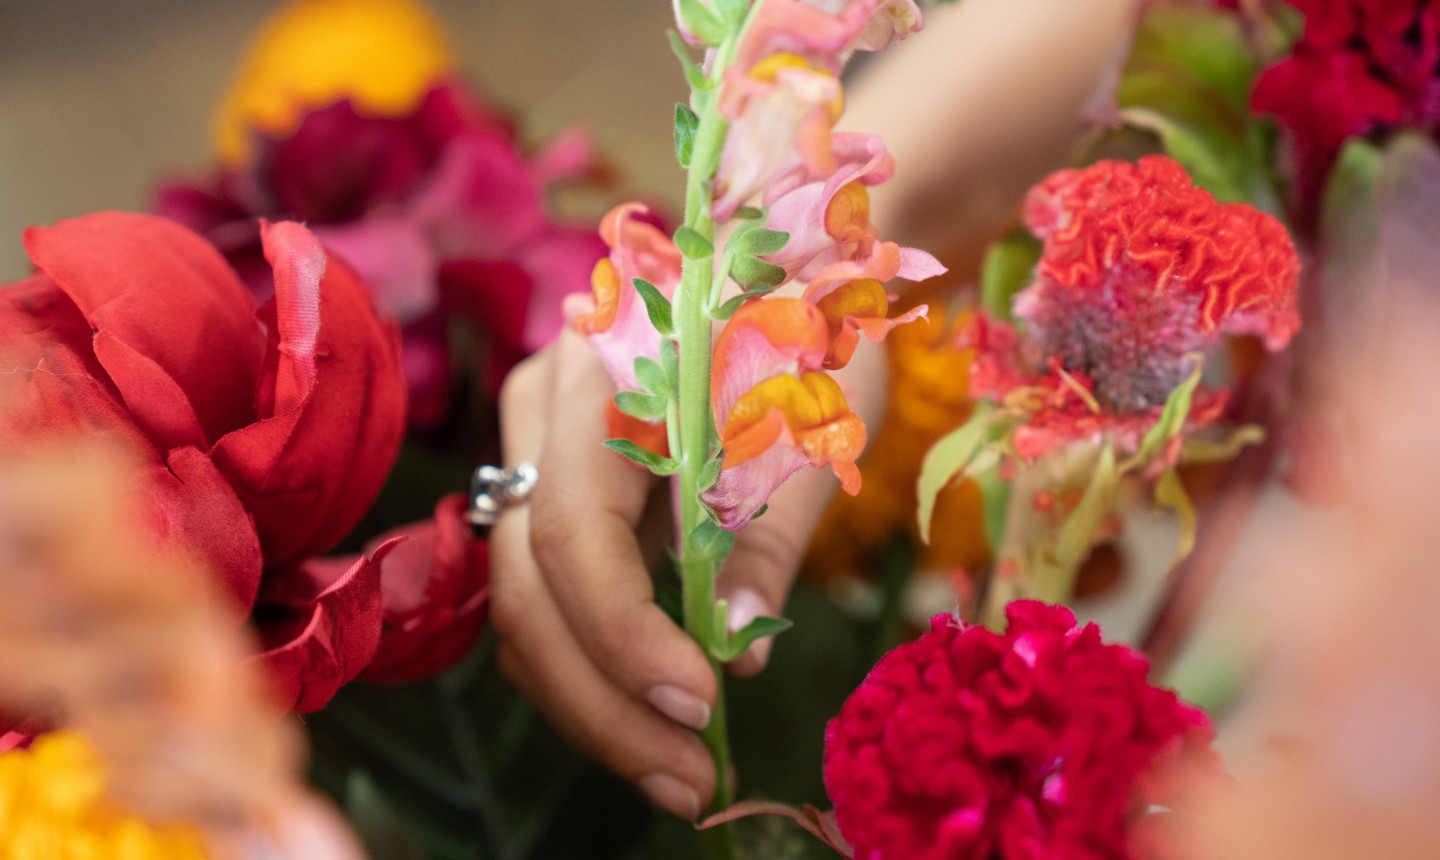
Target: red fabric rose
[[440, 212], [263, 434], [1039, 743]]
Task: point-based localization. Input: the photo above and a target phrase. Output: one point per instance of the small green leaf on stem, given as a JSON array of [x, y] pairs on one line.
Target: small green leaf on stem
[[757, 240], [1172, 417], [1170, 492], [656, 306], [947, 460], [712, 541], [1213, 451], [685, 123], [693, 75], [749, 213], [703, 22], [652, 376], [710, 472], [731, 305], [743, 638], [646, 407], [692, 244], [649, 459], [751, 271]]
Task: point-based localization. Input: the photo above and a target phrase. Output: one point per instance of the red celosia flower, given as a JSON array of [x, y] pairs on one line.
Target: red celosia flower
[[1041, 743], [1141, 272], [1360, 66], [440, 212], [264, 432]]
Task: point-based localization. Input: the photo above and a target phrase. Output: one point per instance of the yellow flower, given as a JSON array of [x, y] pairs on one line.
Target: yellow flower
[[929, 397], [382, 54], [53, 807]]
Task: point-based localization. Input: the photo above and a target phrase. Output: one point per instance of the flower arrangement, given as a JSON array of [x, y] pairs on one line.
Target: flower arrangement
[[224, 422]]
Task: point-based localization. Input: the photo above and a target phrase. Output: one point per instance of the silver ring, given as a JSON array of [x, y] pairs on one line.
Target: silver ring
[[493, 489]]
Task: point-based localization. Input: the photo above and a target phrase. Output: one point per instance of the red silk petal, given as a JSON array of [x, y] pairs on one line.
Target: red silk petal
[[435, 587], [174, 326], [194, 504], [333, 401], [320, 625]]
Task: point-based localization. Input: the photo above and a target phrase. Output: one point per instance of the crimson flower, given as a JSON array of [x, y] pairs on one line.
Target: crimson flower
[[440, 212], [1140, 276], [1039, 743], [263, 433], [1360, 66]]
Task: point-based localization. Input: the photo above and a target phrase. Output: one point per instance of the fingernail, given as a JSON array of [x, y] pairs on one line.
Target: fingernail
[[744, 606], [667, 792], [680, 706]]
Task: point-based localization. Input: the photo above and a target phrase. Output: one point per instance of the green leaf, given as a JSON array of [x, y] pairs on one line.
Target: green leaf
[[1078, 532], [693, 74], [711, 541], [692, 244], [749, 213], [1006, 271], [743, 638], [656, 306], [670, 358], [1170, 493], [1171, 420], [731, 305], [757, 240], [750, 271], [703, 22], [1206, 166], [710, 472], [685, 124], [652, 376], [1214, 451], [646, 407], [947, 460], [731, 10], [649, 459]]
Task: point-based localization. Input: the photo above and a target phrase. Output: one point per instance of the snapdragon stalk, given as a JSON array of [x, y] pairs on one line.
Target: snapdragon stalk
[[695, 441]]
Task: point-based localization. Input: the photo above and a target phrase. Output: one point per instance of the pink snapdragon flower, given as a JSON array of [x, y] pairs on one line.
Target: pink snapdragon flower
[[1140, 276]]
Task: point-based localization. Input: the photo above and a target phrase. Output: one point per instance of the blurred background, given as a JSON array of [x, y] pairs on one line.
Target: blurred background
[[101, 98]]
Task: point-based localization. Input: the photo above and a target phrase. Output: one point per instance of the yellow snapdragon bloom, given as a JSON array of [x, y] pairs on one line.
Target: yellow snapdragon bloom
[[382, 54], [53, 807]]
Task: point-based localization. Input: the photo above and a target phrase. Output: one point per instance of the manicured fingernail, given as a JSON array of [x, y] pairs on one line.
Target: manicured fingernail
[[680, 706], [744, 606], [667, 792]]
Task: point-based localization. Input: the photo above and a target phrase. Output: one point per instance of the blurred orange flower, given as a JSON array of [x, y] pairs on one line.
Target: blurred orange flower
[[929, 396], [383, 55]]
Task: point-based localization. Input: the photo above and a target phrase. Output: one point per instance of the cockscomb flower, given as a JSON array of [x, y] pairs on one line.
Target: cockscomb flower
[[1042, 742], [421, 186], [1140, 275], [782, 94], [1360, 67]]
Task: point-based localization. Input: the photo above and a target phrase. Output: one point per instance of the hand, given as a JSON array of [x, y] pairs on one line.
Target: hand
[[574, 607]]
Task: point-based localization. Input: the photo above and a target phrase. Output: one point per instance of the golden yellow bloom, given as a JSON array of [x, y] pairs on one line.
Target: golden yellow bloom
[[53, 807], [929, 397], [383, 54]]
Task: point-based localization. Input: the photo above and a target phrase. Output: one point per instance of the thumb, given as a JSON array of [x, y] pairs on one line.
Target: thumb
[[757, 576]]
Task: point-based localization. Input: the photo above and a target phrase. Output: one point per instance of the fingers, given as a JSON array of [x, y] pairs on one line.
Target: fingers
[[571, 600], [583, 523]]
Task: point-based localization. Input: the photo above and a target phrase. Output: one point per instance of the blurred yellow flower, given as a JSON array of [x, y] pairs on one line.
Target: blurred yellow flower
[[929, 397], [53, 807], [383, 54]]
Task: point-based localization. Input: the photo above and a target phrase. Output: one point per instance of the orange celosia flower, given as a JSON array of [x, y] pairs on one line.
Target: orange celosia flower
[[381, 54], [929, 396]]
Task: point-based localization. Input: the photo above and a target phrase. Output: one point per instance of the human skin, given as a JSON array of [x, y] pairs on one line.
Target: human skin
[[572, 601]]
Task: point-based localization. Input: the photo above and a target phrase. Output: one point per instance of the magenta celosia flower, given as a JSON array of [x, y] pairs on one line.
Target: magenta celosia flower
[[1359, 67], [1140, 276], [440, 212], [1039, 743]]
